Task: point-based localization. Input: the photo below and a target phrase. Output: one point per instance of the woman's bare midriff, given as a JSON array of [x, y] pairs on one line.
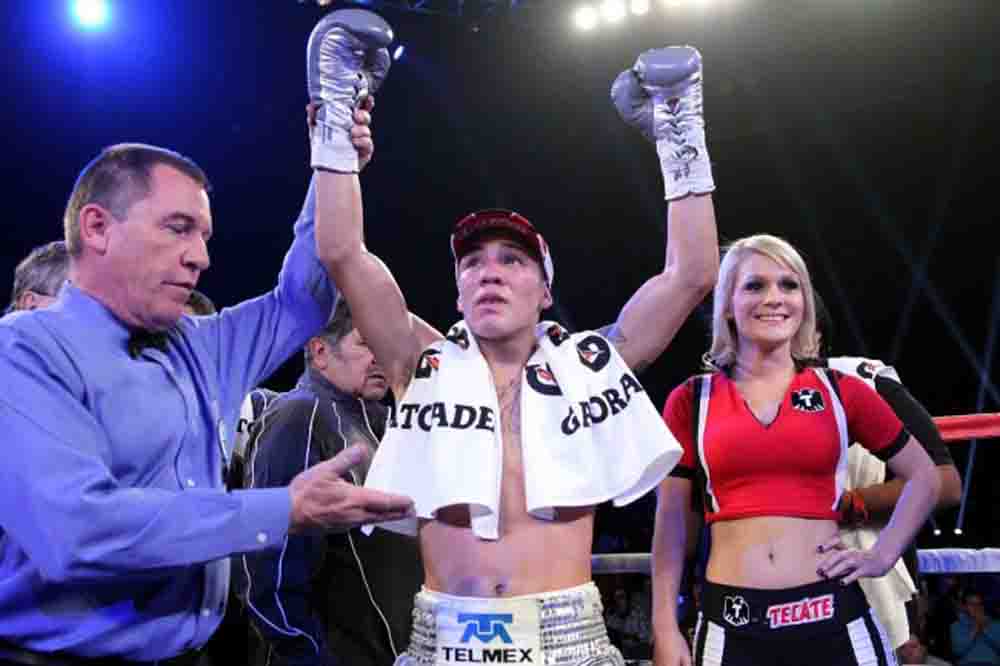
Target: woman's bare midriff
[[768, 552]]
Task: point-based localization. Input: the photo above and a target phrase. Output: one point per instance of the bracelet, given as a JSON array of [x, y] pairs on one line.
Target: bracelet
[[852, 509]]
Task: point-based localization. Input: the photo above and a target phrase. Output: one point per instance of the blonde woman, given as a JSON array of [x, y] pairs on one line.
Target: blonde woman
[[765, 439]]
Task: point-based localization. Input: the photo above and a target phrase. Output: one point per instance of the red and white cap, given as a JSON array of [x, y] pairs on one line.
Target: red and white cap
[[470, 227]]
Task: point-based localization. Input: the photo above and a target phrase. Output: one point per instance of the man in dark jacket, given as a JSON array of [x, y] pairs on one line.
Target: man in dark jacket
[[339, 598]]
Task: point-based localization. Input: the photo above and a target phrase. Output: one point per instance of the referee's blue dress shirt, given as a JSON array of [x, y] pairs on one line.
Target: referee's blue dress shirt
[[114, 524]]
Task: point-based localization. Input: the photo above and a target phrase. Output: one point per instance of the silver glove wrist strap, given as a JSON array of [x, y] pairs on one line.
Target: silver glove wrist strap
[[680, 142], [332, 149]]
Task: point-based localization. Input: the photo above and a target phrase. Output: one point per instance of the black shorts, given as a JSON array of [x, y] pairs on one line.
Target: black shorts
[[820, 624]]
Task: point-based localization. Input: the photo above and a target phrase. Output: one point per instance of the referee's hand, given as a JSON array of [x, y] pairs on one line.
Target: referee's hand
[[322, 500]]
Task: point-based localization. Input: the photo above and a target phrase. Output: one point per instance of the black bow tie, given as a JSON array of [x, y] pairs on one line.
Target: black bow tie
[[142, 339]]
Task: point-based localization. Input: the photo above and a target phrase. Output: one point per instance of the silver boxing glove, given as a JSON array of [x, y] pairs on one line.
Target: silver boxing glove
[[346, 60], [661, 96]]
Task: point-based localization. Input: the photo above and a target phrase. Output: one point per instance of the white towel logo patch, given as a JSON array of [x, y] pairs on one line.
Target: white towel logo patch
[[594, 352], [429, 362], [868, 369], [460, 336], [557, 334], [541, 379]]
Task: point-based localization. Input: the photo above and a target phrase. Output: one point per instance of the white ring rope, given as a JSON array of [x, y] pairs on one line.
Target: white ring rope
[[931, 561]]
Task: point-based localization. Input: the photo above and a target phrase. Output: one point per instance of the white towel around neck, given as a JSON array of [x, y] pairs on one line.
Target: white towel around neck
[[589, 432]]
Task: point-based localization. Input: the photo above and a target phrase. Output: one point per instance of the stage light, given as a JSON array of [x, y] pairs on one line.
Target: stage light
[[613, 10], [91, 14], [639, 7], [937, 531], [585, 17], [398, 53], [958, 531]]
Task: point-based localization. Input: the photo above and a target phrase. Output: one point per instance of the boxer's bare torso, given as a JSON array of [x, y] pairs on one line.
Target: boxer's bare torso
[[530, 557]]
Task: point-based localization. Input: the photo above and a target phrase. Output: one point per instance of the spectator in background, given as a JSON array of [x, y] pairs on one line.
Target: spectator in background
[[945, 607], [350, 594], [199, 305], [39, 276], [975, 636], [642, 612], [615, 617], [629, 627]]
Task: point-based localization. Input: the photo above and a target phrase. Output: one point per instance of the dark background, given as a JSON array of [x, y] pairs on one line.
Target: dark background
[[864, 131]]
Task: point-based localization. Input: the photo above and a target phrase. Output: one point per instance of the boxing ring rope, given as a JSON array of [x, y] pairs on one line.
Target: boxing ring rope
[[931, 561], [968, 426]]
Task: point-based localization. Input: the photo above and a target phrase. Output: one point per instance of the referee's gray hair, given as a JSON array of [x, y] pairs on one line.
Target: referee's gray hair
[[725, 341], [43, 271], [341, 323], [119, 177]]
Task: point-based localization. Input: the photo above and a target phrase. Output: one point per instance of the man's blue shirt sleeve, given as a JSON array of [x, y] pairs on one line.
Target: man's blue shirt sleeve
[[75, 520], [253, 338]]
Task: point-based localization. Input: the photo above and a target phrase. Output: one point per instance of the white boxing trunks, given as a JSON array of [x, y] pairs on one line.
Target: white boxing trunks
[[563, 627]]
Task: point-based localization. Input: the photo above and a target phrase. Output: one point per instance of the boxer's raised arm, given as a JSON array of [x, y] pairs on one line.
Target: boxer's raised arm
[[347, 61], [661, 97], [377, 304]]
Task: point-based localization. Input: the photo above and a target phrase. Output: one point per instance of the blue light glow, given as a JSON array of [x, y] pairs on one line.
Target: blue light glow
[[91, 14], [398, 53]]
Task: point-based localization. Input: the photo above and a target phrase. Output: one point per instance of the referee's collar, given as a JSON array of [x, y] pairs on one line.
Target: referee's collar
[[97, 318]]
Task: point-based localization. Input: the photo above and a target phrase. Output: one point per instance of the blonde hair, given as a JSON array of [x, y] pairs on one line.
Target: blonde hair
[[725, 341]]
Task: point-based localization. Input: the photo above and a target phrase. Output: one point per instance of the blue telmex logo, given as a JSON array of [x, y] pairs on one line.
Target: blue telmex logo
[[486, 626]]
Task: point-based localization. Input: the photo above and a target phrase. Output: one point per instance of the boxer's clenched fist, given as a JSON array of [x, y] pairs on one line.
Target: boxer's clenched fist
[[346, 62], [661, 96]]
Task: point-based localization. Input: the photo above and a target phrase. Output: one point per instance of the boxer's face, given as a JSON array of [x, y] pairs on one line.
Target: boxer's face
[[155, 256], [501, 290], [767, 303]]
